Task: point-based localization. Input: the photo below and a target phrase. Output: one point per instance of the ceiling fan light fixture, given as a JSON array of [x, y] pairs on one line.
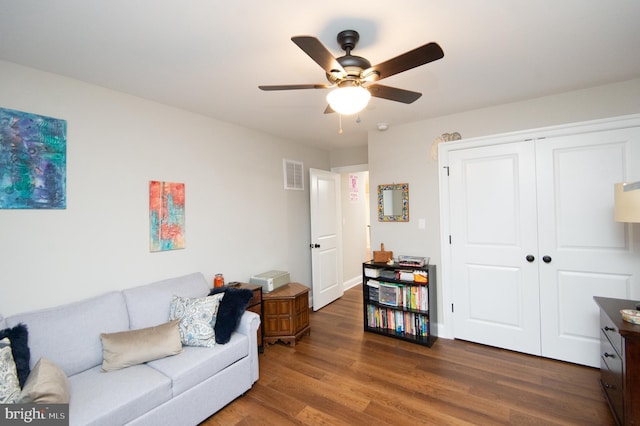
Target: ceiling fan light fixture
[[348, 100]]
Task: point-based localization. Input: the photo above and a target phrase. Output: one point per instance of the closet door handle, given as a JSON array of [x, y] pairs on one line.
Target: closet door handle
[[530, 258], [546, 259]]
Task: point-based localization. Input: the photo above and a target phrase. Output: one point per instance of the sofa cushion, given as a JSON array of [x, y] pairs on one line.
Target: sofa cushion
[[149, 304], [197, 317], [9, 384], [69, 335], [127, 348], [47, 384], [196, 364], [19, 337], [117, 397]]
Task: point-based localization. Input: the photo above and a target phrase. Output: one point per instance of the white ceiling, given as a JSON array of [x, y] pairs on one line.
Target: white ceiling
[[209, 56]]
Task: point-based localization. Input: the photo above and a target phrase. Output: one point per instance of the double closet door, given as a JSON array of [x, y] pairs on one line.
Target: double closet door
[[533, 239]]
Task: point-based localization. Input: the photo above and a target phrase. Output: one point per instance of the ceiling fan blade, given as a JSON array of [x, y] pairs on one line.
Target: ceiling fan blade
[[414, 58], [295, 86], [393, 93], [320, 54]]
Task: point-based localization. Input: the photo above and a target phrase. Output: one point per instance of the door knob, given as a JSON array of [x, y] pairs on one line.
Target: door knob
[[530, 258], [546, 259], [314, 245]]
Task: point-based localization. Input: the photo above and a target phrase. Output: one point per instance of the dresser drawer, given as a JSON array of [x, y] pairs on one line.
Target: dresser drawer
[[611, 375], [611, 331]]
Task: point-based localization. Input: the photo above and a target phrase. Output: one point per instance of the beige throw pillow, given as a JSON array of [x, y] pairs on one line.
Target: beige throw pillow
[[46, 384], [127, 348]]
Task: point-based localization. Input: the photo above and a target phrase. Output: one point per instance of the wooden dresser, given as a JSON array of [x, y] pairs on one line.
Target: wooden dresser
[[286, 313], [620, 360]]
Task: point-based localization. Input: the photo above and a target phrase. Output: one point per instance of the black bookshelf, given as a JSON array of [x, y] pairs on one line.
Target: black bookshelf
[[396, 303]]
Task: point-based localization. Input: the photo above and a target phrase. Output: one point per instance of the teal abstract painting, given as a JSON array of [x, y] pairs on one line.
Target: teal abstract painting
[[33, 161], [166, 216]]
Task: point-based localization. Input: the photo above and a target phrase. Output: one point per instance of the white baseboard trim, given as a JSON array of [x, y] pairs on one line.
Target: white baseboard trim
[[346, 285]]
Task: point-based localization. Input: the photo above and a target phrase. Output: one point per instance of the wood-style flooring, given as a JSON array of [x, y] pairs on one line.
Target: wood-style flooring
[[340, 375]]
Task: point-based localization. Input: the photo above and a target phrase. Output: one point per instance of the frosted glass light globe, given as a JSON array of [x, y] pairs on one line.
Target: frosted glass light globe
[[348, 100]]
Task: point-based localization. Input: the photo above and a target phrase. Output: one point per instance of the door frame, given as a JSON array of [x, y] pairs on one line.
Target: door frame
[[446, 328]]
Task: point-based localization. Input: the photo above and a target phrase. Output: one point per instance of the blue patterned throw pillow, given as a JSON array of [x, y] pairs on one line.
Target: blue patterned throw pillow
[[9, 384], [197, 318]]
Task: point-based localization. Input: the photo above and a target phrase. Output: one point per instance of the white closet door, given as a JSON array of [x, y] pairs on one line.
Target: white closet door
[[493, 230], [589, 253]]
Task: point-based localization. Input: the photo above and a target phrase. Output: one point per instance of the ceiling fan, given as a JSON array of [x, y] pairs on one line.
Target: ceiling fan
[[353, 77]]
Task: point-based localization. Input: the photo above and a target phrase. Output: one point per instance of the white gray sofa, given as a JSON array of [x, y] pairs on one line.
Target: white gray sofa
[[183, 389]]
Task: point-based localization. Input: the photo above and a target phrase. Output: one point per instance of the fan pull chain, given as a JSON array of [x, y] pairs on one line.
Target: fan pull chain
[[340, 118]]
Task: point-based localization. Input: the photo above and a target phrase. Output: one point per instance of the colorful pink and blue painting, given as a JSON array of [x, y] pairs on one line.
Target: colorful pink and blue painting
[[33, 161], [166, 216]]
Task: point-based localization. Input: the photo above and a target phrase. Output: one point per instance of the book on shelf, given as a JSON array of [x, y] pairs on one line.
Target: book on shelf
[[405, 275], [414, 297], [408, 323], [371, 272], [391, 275]]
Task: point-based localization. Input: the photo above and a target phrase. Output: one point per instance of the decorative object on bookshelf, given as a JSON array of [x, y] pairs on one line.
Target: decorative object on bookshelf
[[404, 260], [389, 294], [382, 255], [399, 301]]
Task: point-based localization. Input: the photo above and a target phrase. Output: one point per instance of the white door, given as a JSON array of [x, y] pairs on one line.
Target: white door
[[493, 230], [326, 237], [586, 253]]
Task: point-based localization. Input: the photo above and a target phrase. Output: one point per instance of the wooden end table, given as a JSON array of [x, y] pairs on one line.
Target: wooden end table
[[286, 313]]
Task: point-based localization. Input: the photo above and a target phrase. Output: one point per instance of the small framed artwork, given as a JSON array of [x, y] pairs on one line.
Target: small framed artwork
[[166, 216]]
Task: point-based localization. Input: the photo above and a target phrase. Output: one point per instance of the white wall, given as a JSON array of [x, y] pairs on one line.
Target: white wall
[[402, 154], [239, 219], [348, 156]]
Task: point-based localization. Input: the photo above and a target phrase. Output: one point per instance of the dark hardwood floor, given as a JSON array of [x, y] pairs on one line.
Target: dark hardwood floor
[[340, 375]]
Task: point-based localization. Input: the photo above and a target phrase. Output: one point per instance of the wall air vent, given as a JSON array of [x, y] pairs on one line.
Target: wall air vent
[[293, 174]]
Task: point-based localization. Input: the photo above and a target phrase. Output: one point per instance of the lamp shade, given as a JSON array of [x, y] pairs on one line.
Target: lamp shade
[[627, 203], [348, 100]]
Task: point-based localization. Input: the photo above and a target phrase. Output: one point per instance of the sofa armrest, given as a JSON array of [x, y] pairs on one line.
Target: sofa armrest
[[249, 323]]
